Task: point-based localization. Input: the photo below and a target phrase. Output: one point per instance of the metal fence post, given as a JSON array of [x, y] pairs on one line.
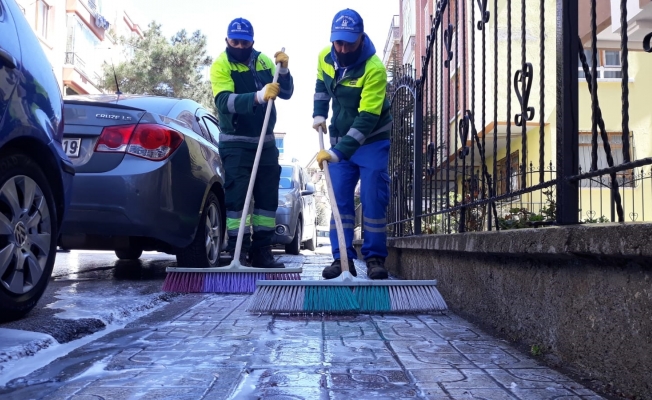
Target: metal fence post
[[567, 112], [418, 158]]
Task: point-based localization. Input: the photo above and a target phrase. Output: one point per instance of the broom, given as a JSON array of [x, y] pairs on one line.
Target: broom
[[345, 294], [234, 278]]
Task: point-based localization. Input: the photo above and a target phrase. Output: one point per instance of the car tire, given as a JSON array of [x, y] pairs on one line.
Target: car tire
[[204, 251], [311, 244], [130, 254], [294, 247], [34, 225]]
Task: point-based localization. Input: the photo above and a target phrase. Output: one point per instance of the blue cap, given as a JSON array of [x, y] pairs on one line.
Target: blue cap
[[347, 26], [241, 29]]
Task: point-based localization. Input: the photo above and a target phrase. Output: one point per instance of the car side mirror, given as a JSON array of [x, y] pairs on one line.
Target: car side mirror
[[310, 189]]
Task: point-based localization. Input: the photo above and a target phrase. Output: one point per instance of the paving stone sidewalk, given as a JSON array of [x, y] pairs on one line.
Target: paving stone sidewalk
[[216, 350]]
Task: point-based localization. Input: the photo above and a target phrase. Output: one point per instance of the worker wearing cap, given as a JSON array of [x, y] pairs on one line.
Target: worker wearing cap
[[354, 79], [241, 78]]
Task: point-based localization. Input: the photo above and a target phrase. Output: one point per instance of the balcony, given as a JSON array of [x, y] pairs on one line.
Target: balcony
[[393, 37], [78, 75], [74, 59]]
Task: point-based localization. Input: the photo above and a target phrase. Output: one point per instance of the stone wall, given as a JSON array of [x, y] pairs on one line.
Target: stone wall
[[582, 294]]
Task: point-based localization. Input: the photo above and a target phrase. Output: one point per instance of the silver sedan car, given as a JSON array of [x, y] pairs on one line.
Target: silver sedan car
[[296, 214]]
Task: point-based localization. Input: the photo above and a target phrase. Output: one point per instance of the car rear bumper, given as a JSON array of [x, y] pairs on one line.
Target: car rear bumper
[[137, 199]]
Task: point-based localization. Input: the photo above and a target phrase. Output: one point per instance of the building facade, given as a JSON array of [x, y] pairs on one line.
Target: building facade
[[78, 36]]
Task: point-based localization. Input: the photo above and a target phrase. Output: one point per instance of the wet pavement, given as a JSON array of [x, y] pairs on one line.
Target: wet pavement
[[206, 346]]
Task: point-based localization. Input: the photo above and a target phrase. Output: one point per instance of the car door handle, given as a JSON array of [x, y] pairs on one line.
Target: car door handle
[[7, 59]]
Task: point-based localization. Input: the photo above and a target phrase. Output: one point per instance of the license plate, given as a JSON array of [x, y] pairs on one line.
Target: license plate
[[71, 147]]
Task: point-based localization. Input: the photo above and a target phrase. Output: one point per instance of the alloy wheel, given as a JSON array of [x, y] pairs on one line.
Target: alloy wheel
[[213, 234], [25, 234]]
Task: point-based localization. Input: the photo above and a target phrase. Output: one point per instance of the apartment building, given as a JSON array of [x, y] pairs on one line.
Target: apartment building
[[78, 36]]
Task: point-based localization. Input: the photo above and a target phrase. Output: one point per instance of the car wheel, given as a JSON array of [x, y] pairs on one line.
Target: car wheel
[[130, 254], [204, 251], [294, 247], [28, 232], [312, 243]]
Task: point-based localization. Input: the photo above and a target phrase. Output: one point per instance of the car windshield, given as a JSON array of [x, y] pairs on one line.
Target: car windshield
[[286, 177]]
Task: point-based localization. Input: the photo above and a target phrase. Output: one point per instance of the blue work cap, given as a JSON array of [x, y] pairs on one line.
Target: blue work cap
[[241, 29], [347, 26]]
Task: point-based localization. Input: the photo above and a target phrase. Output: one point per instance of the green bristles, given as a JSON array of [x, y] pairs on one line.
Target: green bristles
[[373, 298], [329, 299]]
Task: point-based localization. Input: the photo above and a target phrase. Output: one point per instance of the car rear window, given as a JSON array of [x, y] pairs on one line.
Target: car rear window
[[155, 105], [286, 177]]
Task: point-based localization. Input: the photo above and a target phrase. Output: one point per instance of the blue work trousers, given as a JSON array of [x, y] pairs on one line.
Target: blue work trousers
[[369, 165]]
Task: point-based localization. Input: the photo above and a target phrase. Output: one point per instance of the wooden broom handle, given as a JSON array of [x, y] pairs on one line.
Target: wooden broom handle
[[344, 257]]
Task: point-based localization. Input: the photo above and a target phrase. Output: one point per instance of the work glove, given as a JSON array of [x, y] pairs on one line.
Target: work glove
[[283, 59], [328, 156], [319, 121], [270, 91]]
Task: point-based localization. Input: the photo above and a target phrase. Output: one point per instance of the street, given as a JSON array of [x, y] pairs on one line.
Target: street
[[117, 336]]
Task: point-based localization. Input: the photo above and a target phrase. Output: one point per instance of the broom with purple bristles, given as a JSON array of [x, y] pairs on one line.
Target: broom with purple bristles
[[234, 278]]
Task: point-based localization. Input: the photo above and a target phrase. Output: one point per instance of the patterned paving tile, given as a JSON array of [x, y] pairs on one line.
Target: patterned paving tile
[[216, 350]]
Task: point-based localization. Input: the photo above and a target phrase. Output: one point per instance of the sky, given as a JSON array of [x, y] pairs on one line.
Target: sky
[[301, 26]]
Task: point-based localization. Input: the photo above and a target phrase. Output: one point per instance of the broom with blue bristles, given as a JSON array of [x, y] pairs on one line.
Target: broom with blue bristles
[[345, 294], [234, 278]]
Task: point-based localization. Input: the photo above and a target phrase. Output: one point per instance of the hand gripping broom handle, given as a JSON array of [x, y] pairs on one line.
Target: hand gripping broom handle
[[254, 170], [344, 258]]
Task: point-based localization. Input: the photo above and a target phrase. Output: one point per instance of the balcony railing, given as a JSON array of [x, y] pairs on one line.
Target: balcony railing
[[393, 35], [73, 58]]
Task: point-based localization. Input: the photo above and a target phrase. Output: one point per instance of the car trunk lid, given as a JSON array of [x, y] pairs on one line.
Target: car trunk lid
[[84, 122]]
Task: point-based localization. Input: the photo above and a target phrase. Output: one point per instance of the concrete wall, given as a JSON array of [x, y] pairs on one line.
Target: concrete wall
[[583, 294]]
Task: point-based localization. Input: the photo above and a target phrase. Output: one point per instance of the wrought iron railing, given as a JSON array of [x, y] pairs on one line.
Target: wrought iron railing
[[480, 109]]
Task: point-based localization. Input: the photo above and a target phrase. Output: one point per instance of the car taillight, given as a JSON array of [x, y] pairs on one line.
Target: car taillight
[[154, 142], [150, 141], [114, 139]]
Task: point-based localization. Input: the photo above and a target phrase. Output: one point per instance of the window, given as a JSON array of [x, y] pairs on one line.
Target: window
[[501, 174], [616, 142], [608, 64], [213, 129], [42, 18], [279, 145], [80, 47]]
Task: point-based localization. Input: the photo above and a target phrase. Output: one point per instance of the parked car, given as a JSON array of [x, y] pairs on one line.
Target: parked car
[[35, 174], [148, 178], [296, 213]]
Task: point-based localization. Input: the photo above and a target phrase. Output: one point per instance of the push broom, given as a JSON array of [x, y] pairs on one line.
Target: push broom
[[345, 294], [234, 278]]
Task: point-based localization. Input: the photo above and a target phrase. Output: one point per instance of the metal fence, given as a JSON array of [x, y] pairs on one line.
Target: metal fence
[[487, 134]]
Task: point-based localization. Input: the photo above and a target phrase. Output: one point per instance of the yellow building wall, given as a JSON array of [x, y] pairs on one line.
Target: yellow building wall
[[637, 201], [595, 202]]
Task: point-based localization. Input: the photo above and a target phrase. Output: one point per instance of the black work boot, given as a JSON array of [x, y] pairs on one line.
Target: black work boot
[[376, 268], [261, 257], [335, 269]]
